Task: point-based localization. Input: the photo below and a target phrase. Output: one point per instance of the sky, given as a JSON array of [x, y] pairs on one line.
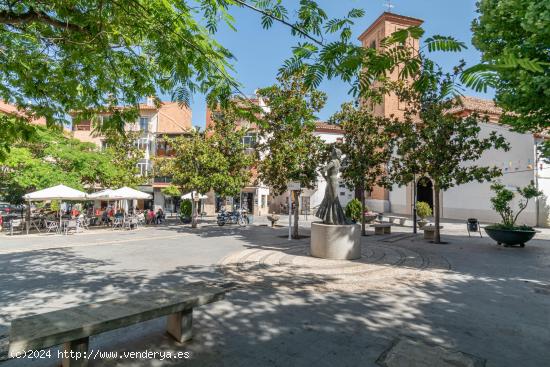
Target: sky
[[259, 53]]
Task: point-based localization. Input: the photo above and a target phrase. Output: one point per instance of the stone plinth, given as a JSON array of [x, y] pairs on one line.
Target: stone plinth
[[336, 242]]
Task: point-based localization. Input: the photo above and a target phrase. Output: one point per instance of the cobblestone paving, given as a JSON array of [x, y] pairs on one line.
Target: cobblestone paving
[[381, 266]]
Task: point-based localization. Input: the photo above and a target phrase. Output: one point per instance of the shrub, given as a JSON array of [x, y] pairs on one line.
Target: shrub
[[353, 210], [502, 200], [423, 209], [186, 208]]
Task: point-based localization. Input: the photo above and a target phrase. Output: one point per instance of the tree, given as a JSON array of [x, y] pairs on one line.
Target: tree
[[503, 198], [62, 56], [51, 158], [193, 167], [432, 141], [516, 33], [366, 147], [226, 136], [210, 160], [288, 149]]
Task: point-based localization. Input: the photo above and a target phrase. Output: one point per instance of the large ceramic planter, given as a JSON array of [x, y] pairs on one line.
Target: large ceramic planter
[[510, 237]]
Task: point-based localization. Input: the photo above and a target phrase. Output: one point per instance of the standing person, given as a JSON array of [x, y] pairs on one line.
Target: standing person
[[150, 216], [160, 216]]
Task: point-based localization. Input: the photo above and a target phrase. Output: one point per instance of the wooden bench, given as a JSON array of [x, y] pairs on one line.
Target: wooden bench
[[382, 228], [429, 232], [73, 326], [400, 219]]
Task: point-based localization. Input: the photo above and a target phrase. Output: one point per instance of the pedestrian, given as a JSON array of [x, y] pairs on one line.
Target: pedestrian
[[160, 216]]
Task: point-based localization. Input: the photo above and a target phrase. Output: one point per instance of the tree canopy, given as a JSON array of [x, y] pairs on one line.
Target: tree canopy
[[52, 158], [214, 159], [288, 149], [366, 147], [517, 32]]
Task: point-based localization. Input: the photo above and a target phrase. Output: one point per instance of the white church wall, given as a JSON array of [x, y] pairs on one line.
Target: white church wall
[[398, 200], [473, 199]]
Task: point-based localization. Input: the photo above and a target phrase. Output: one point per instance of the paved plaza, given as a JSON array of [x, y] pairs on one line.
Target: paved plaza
[[468, 302]]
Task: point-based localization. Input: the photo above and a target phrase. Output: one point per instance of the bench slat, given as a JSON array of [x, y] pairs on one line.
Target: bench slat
[[57, 327]]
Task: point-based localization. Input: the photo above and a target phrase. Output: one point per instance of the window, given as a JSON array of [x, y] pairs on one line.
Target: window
[[144, 167], [249, 140], [373, 44], [144, 124], [143, 144]]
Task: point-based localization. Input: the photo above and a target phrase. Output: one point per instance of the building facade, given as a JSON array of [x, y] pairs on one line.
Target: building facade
[[155, 123]]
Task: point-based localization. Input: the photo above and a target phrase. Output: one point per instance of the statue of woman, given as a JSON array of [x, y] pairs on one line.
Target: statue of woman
[[330, 210]]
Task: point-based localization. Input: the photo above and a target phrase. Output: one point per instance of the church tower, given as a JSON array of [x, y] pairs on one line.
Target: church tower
[[384, 26]]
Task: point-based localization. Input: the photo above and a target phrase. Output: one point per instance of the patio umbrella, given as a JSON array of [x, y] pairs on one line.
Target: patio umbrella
[[107, 194], [190, 195], [127, 193], [59, 192]]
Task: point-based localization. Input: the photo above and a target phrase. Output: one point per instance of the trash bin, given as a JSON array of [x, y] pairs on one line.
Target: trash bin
[[473, 225]]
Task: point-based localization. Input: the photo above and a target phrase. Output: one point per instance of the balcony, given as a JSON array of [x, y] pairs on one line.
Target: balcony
[[162, 180]]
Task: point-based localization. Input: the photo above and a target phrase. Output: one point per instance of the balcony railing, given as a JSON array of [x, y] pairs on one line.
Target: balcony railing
[[162, 179]]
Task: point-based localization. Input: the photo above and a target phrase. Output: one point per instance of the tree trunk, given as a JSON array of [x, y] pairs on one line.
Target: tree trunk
[[295, 233], [363, 229], [437, 234], [193, 212]]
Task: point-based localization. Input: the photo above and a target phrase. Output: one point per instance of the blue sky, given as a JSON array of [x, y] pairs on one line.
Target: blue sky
[[259, 53]]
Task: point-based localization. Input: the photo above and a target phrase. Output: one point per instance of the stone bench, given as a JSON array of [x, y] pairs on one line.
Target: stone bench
[[400, 219], [382, 228], [73, 326], [429, 232]]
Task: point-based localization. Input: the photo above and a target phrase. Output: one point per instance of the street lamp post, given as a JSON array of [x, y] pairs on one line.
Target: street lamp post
[[414, 204]]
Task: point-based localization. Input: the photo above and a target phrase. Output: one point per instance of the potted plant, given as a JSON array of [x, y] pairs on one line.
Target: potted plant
[[353, 210], [507, 232], [423, 211]]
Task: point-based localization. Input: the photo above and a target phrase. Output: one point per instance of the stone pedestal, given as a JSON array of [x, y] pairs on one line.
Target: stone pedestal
[[336, 242]]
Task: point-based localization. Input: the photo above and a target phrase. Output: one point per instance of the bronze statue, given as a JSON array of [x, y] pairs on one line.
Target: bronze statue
[[330, 210]]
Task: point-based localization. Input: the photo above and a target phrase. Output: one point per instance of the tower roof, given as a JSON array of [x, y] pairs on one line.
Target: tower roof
[[394, 18]]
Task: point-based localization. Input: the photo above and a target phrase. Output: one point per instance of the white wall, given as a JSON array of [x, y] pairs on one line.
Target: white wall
[[517, 165], [398, 200]]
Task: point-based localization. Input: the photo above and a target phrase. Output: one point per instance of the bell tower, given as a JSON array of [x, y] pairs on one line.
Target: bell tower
[[384, 26]]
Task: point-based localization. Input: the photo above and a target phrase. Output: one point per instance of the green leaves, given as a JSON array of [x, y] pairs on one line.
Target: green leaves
[[51, 158], [288, 147], [366, 146], [444, 43], [56, 59], [211, 160], [513, 37], [503, 198]]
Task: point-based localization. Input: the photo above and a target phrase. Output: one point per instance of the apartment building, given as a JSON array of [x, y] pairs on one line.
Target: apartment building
[[155, 123]]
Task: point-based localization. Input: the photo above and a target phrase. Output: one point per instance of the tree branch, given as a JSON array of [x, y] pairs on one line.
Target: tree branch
[[34, 16], [266, 13]]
